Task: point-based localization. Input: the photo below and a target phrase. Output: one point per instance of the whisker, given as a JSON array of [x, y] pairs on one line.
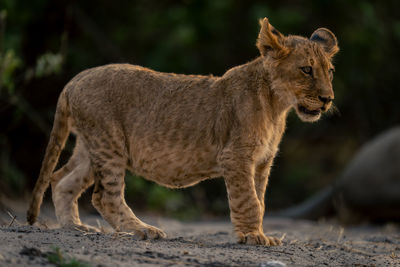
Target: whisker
[[333, 111]]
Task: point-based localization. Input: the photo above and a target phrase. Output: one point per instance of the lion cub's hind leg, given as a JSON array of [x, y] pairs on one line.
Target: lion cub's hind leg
[[108, 195], [68, 183]]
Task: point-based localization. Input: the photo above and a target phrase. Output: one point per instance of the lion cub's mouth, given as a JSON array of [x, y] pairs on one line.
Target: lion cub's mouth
[[304, 110]]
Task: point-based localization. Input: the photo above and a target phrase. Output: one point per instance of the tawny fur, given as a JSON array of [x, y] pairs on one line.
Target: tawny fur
[[178, 130]]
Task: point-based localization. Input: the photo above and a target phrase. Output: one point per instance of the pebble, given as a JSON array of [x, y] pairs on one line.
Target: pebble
[[273, 264]]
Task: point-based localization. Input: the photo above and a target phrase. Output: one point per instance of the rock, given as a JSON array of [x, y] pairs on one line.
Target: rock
[[31, 252], [273, 264], [368, 189]]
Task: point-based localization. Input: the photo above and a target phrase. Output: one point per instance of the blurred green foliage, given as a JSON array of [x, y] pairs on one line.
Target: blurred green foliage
[[44, 43], [58, 258]]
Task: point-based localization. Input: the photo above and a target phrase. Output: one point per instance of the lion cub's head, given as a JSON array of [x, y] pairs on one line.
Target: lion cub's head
[[300, 69]]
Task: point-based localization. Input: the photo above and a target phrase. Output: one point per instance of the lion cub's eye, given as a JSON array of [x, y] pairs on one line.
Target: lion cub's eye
[[307, 70], [331, 70]]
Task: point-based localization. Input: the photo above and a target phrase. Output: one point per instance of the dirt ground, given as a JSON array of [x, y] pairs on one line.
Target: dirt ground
[[203, 243]]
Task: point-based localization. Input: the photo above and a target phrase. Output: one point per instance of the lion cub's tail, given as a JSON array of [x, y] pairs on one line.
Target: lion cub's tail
[[58, 137]]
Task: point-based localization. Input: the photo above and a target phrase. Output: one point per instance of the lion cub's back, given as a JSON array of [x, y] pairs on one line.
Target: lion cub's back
[[122, 87], [100, 94], [115, 83]]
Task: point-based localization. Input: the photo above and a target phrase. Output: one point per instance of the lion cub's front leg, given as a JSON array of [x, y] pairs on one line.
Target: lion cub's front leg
[[246, 209]]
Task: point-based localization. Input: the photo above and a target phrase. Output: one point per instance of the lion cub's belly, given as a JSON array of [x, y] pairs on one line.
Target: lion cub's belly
[[175, 166]]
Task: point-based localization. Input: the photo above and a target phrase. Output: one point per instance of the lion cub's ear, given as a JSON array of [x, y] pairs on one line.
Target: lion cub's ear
[[327, 40], [270, 39]]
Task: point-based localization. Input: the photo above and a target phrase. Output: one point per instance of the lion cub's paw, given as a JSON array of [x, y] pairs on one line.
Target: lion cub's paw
[[150, 232], [258, 238]]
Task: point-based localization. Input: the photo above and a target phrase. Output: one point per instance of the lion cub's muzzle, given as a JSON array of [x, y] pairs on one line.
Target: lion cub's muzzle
[[310, 109], [314, 106]]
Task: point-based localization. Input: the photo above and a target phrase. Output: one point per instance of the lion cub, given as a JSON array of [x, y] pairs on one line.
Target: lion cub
[[178, 130]]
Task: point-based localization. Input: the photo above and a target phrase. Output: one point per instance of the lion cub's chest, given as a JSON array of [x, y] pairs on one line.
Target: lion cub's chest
[[175, 165], [266, 145]]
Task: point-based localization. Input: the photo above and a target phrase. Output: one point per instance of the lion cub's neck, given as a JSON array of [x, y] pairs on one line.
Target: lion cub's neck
[[251, 85]]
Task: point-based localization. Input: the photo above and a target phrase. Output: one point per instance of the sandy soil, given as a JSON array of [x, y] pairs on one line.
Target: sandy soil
[[205, 243]]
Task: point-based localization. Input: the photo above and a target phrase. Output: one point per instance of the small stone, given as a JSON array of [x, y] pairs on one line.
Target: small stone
[[34, 252], [273, 264]]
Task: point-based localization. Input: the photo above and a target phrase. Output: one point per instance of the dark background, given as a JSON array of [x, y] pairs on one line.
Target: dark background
[[43, 44]]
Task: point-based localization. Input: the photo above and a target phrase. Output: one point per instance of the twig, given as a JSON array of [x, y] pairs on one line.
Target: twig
[[13, 217], [101, 228], [80, 230], [354, 250], [90, 233], [341, 231], [283, 237], [85, 233], [122, 234], [280, 251]]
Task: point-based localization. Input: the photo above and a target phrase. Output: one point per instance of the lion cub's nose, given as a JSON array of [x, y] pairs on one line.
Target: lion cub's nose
[[325, 100]]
